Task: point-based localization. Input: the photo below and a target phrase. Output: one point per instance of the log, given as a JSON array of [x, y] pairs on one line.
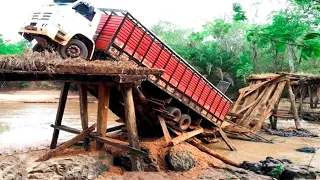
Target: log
[[203, 148], [83, 98], [226, 140], [236, 104], [293, 105], [271, 103], [102, 114], [310, 96], [131, 125], [184, 136], [164, 129], [60, 111], [67, 144]]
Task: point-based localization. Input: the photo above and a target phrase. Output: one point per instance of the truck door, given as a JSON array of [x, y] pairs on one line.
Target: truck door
[[87, 17]]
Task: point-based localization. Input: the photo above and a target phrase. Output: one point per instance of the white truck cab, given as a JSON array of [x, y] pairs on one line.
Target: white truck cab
[[66, 28]]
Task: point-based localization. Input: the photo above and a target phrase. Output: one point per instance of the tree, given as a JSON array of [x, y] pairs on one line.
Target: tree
[[7, 48]]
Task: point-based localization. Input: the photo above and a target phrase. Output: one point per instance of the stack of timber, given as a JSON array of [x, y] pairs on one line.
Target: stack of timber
[[259, 101]]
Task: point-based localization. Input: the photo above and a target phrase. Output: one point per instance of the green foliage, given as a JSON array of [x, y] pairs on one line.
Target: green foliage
[[239, 13], [7, 48], [276, 171]]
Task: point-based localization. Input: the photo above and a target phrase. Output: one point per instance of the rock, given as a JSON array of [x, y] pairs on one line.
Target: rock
[[255, 167], [181, 160], [294, 171], [307, 149]]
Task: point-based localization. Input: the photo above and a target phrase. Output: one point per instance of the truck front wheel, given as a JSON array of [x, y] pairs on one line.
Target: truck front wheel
[[74, 49]]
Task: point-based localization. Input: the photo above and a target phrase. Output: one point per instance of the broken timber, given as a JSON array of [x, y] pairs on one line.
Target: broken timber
[[97, 74], [251, 113]]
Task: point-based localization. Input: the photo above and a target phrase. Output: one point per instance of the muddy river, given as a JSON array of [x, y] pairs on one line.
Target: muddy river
[[26, 126]]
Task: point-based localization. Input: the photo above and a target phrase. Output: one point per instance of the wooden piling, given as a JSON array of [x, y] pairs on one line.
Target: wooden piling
[[83, 99], [102, 114], [60, 111], [293, 105], [130, 120]]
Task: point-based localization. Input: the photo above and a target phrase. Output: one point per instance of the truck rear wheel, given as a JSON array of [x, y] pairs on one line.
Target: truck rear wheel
[[74, 49], [175, 112], [37, 48], [184, 122]]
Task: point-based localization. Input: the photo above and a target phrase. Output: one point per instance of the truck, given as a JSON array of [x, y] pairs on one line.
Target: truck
[[80, 30]]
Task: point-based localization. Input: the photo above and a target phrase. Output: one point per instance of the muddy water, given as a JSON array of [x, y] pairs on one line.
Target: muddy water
[[26, 126], [283, 147]]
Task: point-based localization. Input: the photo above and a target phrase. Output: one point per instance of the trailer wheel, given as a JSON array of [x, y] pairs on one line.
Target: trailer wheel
[[74, 49], [184, 122], [175, 112]]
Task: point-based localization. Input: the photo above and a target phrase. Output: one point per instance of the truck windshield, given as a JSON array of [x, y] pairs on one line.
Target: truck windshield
[[85, 11]]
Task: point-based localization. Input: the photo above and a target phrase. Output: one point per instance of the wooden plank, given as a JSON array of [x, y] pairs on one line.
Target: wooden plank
[[293, 104], [60, 111], [259, 106], [236, 104], [164, 129], [271, 103], [130, 119], [184, 136], [102, 114], [67, 144], [106, 140], [83, 99], [248, 112], [226, 140]]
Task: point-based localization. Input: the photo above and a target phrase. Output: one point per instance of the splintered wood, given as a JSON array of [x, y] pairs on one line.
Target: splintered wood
[[256, 103]]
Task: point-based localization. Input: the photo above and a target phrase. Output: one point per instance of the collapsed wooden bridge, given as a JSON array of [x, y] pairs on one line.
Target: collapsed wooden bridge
[[101, 78], [260, 100]]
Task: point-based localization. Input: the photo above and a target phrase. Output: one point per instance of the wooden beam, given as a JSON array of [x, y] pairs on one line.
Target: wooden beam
[[83, 99], [102, 114], [293, 105], [106, 140], [235, 106], [130, 119], [310, 87], [271, 104], [60, 111], [67, 144], [164, 129], [226, 139], [184, 136]]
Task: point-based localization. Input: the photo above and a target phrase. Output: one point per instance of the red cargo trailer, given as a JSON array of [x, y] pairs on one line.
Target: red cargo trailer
[[120, 30]]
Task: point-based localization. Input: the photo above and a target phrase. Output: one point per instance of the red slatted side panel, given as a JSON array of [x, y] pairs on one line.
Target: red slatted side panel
[[185, 80], [179, 74], [192, 85], [106, 35], [225, 110], [169, 69]]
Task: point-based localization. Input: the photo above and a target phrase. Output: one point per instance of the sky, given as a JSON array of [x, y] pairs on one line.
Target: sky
[[185, 13]]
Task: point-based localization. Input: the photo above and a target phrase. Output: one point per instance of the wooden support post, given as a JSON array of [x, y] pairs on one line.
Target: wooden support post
[[60, 111], [67, 144], [164, 129], [83, 98], [130, 119], [293, 105], [310, 95], [102, 114], [302, 96]]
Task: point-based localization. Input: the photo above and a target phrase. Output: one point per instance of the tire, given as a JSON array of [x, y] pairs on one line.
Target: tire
[[37, 48], [184, 122], [74, 49], [175, 112]]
